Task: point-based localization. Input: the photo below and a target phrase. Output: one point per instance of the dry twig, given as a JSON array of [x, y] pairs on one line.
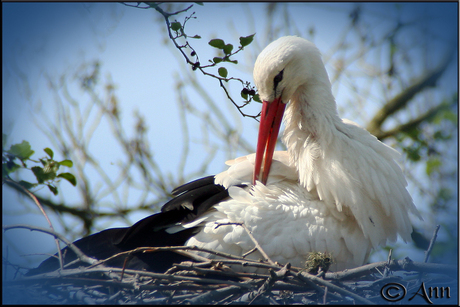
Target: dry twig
[[430, 247]]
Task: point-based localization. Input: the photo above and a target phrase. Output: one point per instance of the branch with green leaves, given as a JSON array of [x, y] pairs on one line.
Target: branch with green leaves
[[176, 31], [17, 155]]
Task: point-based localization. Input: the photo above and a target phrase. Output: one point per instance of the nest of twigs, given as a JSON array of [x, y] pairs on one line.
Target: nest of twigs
[[206, 281], [214, 282]]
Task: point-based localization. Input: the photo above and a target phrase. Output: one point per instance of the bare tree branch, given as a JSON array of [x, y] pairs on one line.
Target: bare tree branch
[[402, 99], [414, 123]]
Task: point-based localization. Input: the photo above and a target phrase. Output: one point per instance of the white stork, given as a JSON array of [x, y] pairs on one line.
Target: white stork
[[337, 189]]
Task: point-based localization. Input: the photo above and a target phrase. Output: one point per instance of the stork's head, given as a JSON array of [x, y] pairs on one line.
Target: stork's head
[[282, 68], [286, 64]]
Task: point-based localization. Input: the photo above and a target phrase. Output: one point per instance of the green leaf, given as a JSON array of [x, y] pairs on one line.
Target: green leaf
[[256, 98], [227, 59], [412, 153], [244, 95], [69, 177], [217, 43], [246, 40], [176, 26], [217, 60], [228, 48], [23, 150], [200, 3], [432, 165], [41, 175], [195, 36], [223, 72], [451, 116], [27, 184], [447, 115], [9, 167], [444, 194], [53, 189], [67, 163], [49, 152]]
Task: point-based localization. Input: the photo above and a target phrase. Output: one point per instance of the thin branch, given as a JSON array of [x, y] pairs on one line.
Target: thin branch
[[252, 238], [269, 282], [387, 267], [395, 265], [196, 64], [182, 248], [305, 275], [430, 247], [75, 249], [71, 272], [40, 207], [213, 295], [83, 214]]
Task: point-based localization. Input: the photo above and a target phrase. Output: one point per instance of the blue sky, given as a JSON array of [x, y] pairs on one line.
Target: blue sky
[[47, 39]]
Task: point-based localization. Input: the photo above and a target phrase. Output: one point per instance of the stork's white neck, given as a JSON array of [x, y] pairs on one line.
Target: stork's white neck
[[311, 121]]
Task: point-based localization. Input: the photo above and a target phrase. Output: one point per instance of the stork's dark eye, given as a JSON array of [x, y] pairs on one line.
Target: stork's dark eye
[[278, 78]]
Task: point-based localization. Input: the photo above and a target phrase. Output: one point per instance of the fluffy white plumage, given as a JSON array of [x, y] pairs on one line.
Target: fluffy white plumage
[[336, 189]]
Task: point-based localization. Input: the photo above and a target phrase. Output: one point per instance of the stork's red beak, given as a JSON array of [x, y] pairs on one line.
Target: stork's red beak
[[270, 122]]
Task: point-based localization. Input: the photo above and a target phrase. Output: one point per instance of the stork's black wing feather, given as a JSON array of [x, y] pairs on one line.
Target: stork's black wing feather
[[192, 200], [195, 198], [193, 185]]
